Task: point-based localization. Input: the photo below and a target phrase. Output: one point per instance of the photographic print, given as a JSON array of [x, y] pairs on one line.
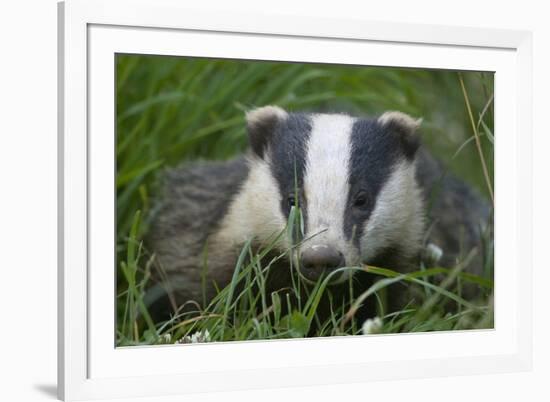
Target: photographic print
[[264, 200]]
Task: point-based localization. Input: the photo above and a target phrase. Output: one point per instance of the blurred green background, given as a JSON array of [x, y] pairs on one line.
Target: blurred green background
[[171, 109]]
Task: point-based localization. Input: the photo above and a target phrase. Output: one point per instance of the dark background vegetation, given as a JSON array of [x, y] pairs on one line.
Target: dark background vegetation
[[172, 109]]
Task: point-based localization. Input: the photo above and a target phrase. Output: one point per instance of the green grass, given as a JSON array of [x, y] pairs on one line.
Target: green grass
[[174, 109], [244, 310]]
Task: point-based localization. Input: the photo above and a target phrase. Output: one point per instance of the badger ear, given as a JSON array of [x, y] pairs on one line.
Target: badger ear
[[260, 124], [406, 127]]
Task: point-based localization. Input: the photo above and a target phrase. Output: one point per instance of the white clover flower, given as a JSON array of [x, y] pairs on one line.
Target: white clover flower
[[372, 326], [199, 337], [196, 337], [433, 252]]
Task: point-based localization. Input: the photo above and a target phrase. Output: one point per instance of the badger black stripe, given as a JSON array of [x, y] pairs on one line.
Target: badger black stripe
[[288, 153], [374, 152]]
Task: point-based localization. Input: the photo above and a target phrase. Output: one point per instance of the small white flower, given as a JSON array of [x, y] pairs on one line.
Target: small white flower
[[166, 338], [196, 337], [433, 252], [199, 337], [372, 326]]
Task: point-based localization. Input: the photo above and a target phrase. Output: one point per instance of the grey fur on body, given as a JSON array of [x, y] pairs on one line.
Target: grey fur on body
[[197, 196]]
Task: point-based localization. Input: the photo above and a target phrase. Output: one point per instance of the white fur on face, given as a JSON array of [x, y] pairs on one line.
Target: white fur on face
[[326, 183], [255, 212], [397, 215]]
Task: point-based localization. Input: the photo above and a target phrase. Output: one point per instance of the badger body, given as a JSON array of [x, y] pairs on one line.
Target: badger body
[[365, 189]]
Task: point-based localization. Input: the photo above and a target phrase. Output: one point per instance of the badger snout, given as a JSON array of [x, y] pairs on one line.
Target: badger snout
[[318, 259]]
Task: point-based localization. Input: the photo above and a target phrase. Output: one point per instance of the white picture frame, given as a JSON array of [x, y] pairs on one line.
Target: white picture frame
[[92, 32]]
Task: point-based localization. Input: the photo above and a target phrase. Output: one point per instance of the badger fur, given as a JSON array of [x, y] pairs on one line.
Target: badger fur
[[365, 191]]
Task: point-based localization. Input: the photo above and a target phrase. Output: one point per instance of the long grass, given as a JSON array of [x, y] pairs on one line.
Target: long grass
[[174, 109], [244, 310]]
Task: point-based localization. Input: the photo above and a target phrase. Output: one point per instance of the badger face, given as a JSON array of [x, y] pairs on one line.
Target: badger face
[[353, 179]]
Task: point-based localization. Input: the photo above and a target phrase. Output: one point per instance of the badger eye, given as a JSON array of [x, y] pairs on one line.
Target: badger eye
[[291, 200], [361, 201]]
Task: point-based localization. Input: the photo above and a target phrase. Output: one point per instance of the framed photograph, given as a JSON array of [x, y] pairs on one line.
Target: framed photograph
[[255, 201]]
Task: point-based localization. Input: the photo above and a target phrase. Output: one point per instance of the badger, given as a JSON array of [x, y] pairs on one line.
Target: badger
[[365, 188]]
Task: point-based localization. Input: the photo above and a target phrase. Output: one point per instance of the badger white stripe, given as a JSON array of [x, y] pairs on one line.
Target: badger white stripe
[[326, 175]]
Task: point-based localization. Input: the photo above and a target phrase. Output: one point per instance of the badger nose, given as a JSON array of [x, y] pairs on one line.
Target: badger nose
[[319, 258]]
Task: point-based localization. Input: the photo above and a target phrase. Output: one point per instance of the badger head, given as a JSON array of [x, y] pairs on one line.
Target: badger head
[[353, 179]]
